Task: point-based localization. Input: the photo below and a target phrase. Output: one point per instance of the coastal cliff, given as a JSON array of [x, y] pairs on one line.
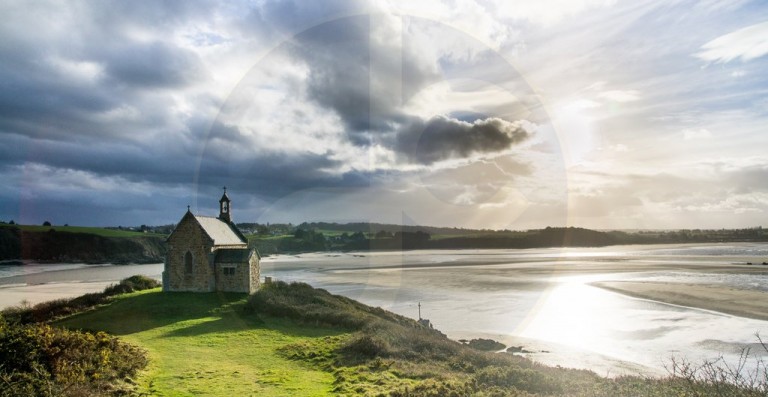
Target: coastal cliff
[[63, 246]]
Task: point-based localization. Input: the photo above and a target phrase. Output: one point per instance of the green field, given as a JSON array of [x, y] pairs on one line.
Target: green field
[[99, 231], [203, 344]]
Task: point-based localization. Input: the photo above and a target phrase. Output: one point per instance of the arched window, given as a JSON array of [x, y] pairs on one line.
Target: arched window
[[188, 263]]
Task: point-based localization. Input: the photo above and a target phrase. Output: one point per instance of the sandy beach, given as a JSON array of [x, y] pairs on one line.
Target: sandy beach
[[16, 294], [737, 302], [41, 287]]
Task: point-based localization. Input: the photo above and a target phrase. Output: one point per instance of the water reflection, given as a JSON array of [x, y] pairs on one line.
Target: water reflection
[[589, 319], [575, 315]]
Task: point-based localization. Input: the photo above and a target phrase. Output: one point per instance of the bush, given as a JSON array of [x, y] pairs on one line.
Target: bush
[[132, 284], [366, 346], [487, 345], [437, 388], [40, 360], [513, 377]]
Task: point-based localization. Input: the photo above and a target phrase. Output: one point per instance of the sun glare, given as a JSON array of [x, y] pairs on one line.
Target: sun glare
[[571, 314]]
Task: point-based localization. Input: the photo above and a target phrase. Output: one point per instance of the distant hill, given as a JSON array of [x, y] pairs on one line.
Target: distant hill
[[372, 227], [361, 236], [87, 245]]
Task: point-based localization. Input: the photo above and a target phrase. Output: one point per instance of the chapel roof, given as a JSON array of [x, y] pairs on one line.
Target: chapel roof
[[221, 232]]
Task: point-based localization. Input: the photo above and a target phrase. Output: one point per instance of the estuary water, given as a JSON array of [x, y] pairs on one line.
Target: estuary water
[[544, 300], [541, 299]]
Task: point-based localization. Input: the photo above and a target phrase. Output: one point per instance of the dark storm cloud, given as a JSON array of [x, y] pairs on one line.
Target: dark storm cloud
[[159, 163], [86, 89], [67, 69], [360, 77], [273, 175], [442, 138], [36, 105], [152, 65]]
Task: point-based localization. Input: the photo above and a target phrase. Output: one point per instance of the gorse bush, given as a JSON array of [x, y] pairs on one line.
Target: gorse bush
[[366, 346], [486, 344], [40, 360], [132, 284]]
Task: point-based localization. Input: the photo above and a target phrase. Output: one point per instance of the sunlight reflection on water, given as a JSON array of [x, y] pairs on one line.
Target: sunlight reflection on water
[[641, 331], [573, 314], [552, 301]]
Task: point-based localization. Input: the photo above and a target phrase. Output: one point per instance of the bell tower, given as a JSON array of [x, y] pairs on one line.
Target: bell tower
[[225, 207]]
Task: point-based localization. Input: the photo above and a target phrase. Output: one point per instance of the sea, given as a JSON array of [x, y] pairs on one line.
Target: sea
[[543, 300]]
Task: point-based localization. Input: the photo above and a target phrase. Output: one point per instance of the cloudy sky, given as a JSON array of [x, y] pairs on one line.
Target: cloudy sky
[[481, 114]]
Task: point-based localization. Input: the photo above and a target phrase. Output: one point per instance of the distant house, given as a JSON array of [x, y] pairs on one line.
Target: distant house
[[208, 254]]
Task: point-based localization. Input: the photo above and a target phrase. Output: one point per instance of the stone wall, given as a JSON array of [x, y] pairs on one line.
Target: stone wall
[[189, 236], [245, 277], [236, 282]]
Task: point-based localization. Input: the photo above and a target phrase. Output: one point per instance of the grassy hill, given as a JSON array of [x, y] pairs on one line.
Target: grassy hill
[[289, 340], [203, 344], [79, 244], [99, 231]]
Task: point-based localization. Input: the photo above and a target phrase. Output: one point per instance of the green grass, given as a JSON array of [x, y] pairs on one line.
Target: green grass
[[204, 344], [82, 229]]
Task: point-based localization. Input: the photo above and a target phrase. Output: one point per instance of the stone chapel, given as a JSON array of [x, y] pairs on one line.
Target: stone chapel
[[208, 254]]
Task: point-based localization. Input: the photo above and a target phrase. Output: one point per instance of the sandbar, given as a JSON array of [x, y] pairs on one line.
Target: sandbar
[[738, 302]]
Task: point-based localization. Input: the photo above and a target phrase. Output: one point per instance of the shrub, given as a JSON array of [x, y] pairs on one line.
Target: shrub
[[487, 345], [38, 359], [132, 284], [436, 388], [365, 346], [526, 379]]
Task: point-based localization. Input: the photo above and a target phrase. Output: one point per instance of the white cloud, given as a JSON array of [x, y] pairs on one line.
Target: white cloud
[[467, 16], [620, 148], [620, 95], [738, 73], [547, 12], [447, 96], [735, 204], [746, 44], [581, 104], [692, 133]]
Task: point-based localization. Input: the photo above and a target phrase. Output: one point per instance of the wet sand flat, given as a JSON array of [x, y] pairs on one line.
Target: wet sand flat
[[738, 302], [12, 295], [42, 287]]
